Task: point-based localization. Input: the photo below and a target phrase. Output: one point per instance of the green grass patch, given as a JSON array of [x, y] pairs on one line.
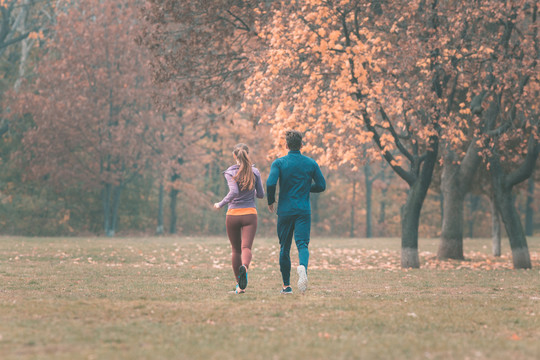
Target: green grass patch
[[169, 298]]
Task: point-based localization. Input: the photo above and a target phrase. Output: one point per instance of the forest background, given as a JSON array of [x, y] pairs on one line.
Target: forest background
[[119, 117]]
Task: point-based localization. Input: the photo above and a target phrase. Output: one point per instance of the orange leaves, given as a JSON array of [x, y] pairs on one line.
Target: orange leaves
[[281, 113], [362, 259], [334, 36], [36, 35], [387, 141], [328, 65], [66, 217], [326, 336]]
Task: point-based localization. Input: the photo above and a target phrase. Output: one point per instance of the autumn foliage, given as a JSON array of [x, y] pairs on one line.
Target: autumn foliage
[[403, 77], [88, 102], [424, 114]]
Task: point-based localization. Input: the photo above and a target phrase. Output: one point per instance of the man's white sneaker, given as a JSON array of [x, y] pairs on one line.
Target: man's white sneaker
[[302, 278]]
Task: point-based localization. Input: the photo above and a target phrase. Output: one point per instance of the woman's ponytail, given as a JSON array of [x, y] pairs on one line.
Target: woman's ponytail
[[244, 177]]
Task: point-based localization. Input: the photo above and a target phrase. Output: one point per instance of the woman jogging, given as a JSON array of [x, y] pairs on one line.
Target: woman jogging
[[245, 183]]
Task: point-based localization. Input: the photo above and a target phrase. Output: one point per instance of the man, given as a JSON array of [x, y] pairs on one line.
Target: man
[[298, 176]]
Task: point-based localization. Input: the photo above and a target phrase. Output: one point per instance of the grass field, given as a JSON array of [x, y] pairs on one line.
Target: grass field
[[168, 298]]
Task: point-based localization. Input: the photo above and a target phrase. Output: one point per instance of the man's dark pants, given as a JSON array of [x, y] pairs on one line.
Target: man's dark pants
[[287, 226]]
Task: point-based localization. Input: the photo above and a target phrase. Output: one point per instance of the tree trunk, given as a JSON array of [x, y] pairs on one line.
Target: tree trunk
[[473, 206], [495, 229], [456, 179], [369, 195], [384, 192], [160, 228], [418, 178], [504, 201], [410, 220], [451, 244], [529, 212], [4, 127], [353, 205], [441, 205], [26, 44], [410, 213], [114, 215], [512, 223], [106, 198], [173, 198], [111, 201], [502, 184], [382, 210], [172, 225]]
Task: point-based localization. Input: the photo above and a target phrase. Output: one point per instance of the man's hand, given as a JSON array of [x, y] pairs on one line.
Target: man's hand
[[271, 208]]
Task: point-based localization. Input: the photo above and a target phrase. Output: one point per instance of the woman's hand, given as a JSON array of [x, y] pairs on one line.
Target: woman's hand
[[216, 206]]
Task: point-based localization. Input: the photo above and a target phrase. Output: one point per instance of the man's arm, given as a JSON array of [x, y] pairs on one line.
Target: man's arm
[[320, 183], [271, 183]]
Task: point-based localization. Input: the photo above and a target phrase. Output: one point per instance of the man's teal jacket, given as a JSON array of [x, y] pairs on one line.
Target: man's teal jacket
[[298, 176]]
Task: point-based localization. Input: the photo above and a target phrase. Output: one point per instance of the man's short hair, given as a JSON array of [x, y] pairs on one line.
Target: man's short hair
[[294, 139]]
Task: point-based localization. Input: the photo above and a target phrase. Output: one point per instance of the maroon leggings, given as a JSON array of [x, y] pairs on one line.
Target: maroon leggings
[[241, 230]]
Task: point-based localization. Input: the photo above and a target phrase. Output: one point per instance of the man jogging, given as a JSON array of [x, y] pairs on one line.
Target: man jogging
[[298, 176]]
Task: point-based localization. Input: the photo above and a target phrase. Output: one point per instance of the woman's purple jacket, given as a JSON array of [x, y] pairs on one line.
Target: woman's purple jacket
[[241, 199]]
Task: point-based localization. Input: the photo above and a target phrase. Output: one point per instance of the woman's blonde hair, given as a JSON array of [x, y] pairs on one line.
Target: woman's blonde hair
[[244, 177]]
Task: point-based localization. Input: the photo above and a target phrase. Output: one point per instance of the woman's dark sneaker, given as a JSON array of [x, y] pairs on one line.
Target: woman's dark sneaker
[[287, 290], [242, 277]]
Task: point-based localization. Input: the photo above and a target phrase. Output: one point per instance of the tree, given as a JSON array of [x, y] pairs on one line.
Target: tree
[[22, 23], [199, 56], [21, 19], [331, 70], [529, 211], [511, 140], [495, 229], [175, 140], [199, 49], [345, 71], [88, 103], [455, 184], [483, 34], [371, 175]]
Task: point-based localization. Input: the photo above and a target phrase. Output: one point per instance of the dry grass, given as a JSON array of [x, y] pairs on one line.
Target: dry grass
[[165, 298]]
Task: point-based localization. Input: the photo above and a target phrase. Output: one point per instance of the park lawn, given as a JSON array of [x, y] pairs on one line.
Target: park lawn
[[168, 298]]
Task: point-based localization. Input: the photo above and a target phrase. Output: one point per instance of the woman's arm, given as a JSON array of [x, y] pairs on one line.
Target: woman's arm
[[271, 182], [259, 190], [233, 190]]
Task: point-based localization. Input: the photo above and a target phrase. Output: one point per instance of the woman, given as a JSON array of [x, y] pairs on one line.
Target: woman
[[245, 183]]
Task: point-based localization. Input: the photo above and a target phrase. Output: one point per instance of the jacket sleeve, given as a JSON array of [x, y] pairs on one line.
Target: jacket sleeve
[[233, 190], [259, 191], [319, 184], [271, 183]]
